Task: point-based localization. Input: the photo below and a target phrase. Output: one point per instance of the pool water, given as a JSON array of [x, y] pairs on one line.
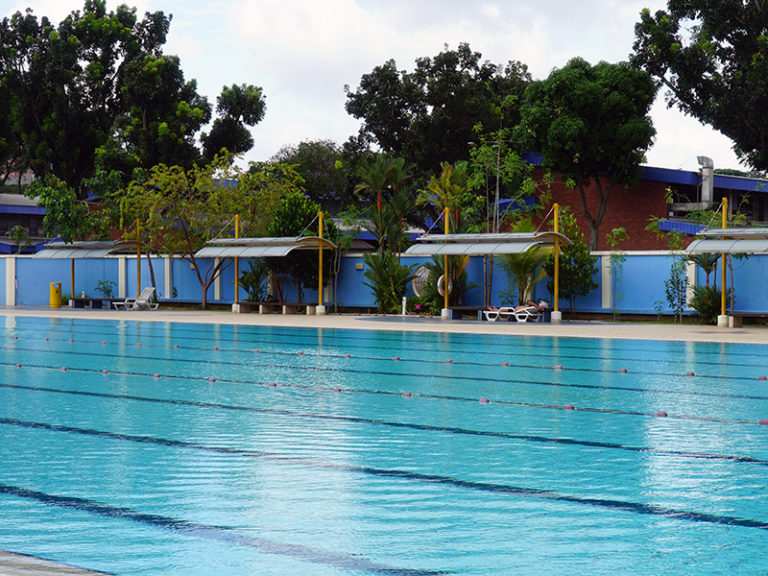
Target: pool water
[[179, 449]]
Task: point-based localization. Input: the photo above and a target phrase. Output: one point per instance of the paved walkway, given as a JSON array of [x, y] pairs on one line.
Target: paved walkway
[[20, 565], [580, 329]]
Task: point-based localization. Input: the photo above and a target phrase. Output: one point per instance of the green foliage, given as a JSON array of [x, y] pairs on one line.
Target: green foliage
[[676, 287], [239, 106], [106, 288], [707, 262], [388, 279], [326, 169], [254, 280], [591, 123], [65, 215], [707, 302], [388, 181], [615, 238], [527, 269], [428, 115], [712, 55], [431, 300], [577, 265], [293, 217], [180, 210], [19, 236]]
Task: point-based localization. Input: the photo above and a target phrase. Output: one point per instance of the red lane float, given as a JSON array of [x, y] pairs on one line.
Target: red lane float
[[569, 407], [407, 394], [661, 414], [623, 371], [484, 400]]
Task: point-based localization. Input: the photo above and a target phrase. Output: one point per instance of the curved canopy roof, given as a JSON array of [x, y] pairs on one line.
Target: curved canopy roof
[[261, 247], [482, 244], [730, 241], [90, 249]]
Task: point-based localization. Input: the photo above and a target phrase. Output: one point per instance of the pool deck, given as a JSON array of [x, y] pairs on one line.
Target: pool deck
[[20, 565], [576, 329]]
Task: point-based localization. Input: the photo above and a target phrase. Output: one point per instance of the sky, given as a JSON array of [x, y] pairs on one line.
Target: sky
[[302, 53]]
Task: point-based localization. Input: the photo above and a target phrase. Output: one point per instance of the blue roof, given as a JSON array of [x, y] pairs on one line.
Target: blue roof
[[684, 227]]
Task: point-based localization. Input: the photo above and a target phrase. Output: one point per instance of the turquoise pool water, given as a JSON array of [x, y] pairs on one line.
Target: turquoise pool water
[[176, 449]]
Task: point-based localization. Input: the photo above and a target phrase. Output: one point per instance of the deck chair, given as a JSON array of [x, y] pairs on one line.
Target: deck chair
[[528, 313], [143, 302], [503, 313]]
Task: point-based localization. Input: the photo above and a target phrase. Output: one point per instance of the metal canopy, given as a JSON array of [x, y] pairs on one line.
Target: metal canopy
[[96, 249], [482, 244], [262, 247], [730, 241]]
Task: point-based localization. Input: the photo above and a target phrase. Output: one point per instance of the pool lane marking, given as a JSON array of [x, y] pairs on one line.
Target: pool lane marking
[[392, 424], [336, 389], [223, 534], [543, 354], [525, 344], [536, 493], [473, 379]]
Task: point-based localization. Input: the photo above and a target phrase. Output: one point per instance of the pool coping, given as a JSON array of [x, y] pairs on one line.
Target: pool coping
[[14, 564], [567, 329]]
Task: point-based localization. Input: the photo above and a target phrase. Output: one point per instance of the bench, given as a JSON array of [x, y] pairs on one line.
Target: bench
[[737, 320], [269, 307], [94, 303]]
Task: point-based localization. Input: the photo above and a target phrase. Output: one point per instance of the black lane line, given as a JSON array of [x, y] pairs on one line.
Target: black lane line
[[544, 353], [223, 534], [472, 379], [632, 507], [392, 424], [427, 396]]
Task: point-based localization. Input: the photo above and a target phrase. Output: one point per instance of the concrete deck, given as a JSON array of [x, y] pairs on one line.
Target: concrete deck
[[580, 329], [20, 565]]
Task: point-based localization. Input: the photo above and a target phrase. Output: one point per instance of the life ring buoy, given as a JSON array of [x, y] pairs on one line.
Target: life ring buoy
[[441, 284]]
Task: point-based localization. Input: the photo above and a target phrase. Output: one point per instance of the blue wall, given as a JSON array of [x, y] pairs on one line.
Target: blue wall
[[641, 283]]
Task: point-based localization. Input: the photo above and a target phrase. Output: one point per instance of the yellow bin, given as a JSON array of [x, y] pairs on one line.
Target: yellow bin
[[55, 295]]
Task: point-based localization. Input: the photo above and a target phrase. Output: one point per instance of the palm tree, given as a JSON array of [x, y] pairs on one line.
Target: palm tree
[[527, 269], [707, 262]]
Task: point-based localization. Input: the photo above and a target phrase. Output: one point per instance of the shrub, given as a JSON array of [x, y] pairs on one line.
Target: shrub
[[388, 279]]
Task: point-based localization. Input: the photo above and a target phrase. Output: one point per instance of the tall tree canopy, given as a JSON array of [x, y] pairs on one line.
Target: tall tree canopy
[[591, 122], [427, 116], [96, 89], [712, 55]]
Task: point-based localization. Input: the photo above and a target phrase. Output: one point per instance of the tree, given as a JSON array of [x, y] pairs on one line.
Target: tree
[[293, 217], [712, 56], [65, 82], [592, 125], [427, 116], [527, 269], [577, 266], [66, 216], [238, 106], [181, 210], [327, 172]]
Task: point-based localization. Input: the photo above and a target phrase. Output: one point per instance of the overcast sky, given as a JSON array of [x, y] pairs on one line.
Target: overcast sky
[[303, 52]]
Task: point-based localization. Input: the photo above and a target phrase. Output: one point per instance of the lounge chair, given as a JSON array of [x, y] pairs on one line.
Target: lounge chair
[[503, 313], [527, 313], [143, 302]]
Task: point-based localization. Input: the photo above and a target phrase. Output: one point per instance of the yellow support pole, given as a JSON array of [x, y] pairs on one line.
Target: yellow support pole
[[724, 256], [445, 258], [138, 258], [237, 262], [320, 261], [556, 295]]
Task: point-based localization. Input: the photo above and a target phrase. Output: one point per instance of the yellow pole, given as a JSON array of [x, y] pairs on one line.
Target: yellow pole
[[445, 258], [138, 258], [723, 256], [556, 296], [320, 261], [237, 261]]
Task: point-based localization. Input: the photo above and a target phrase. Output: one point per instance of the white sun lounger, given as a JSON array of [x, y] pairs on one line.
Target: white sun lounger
[[143, 302]]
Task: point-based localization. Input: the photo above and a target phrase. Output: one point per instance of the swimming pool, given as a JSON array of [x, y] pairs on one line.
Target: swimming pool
[[177, 449]]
